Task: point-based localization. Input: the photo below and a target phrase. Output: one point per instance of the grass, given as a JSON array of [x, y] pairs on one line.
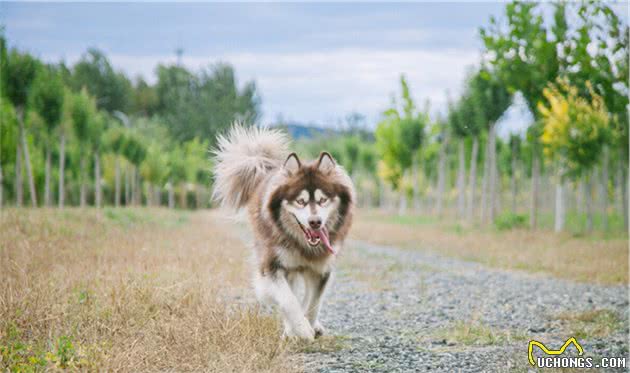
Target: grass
[[324, 344], [474, 334], [590, 324], [130, 290], [593, 258]]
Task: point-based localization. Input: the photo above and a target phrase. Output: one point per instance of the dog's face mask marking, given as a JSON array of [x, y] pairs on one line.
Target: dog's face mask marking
[[310, 207]]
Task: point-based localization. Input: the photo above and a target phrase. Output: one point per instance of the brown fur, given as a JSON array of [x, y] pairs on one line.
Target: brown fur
[[273, 233]]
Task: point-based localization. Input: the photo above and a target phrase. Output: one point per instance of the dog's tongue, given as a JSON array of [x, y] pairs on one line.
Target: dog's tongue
[[323, 236]]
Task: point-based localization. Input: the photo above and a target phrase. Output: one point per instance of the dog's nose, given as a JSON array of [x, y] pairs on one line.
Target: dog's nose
[[315, 222]]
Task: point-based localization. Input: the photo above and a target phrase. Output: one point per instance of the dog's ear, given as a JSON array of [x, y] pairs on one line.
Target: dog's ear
[[326, 162], [292, 164]]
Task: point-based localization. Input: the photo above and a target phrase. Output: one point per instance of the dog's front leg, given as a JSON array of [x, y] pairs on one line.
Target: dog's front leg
[[275, 288], [315, 286]]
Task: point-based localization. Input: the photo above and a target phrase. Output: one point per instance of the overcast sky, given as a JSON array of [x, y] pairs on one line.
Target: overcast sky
[[311, 62]]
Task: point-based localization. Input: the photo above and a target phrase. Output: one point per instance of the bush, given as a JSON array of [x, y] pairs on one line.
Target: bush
[[510, 221]]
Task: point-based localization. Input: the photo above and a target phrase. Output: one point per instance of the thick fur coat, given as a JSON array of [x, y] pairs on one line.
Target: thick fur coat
[[300, 213]]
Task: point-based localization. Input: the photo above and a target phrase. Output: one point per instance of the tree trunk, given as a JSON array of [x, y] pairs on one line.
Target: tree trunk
[[1, 186], [416, 187], [604, 194], [624, 196], [622, 184], [19, 182], [472, 178], [493, 178], [117, 182], [149, 194], [533, 211], [47, 191], [579, 200], [402, 206], [171, 195], [485, 181], [589, 202], [183, 195], [158, 195], [1, 178], [513, 184], [138, 183], [127, 186], [62, 169], [27, 157], [83, 193], [560, 212], [1, 183], [461, 181], [97, 180], [441, 178], [134, 187]]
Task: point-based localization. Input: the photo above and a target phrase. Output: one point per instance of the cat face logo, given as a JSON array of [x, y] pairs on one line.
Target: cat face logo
[[566, 344]]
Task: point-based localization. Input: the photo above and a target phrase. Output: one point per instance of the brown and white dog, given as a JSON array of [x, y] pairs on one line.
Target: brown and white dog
[[300, 213]]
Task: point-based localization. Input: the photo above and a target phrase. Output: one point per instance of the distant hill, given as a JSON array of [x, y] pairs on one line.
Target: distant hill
[[303, 131]]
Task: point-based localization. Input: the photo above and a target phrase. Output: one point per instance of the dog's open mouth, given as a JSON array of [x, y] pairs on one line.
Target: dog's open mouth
[[316, 236]]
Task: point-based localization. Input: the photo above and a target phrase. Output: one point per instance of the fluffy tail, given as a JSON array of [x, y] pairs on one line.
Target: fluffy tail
[[242, 159]]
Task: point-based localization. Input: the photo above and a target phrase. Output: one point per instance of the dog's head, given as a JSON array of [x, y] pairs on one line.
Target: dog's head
[[312, 201]]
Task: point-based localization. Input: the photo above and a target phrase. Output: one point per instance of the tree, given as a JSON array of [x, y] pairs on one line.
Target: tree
[[135, 152], [399, 137], [490, 98], [46, 99], [111, 90], [8, 140], [21, 72], [64, 130], [83, 108], [525, 58], [458, 124], [115, 140], [515, 147], [202, 105], [154, 170], [97, 126], [574, 133]]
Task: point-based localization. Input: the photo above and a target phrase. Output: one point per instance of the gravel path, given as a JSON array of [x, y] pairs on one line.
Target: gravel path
[[393, 310]]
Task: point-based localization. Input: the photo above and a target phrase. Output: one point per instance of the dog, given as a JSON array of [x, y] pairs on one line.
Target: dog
[[300, 212]]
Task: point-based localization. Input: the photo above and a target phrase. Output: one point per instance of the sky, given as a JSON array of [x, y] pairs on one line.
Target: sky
[[312, 63]]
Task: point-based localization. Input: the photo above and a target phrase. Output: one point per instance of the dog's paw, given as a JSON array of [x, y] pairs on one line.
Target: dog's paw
[[318, 329], [302, 330]]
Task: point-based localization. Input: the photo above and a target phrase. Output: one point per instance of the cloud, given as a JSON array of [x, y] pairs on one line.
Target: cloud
[[322, 86]]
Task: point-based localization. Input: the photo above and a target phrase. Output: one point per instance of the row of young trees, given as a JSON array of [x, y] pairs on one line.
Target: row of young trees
[[87, 134], [572, 72]]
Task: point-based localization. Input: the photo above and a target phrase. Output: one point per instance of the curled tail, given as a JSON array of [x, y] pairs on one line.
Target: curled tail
[[242, 159]]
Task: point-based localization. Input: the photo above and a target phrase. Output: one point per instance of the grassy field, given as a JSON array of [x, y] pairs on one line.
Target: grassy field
[[600, 257], [130, 290], [160, 290]]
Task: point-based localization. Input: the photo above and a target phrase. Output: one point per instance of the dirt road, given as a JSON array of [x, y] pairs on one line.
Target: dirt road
[[406, 310]]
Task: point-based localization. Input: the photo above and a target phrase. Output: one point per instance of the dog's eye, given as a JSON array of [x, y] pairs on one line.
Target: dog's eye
[[301, 202], [323, 200]]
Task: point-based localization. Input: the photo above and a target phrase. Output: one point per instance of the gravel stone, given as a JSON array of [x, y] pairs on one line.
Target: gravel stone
[[393, 307]]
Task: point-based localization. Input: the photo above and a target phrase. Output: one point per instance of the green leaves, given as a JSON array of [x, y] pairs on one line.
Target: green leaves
[[201, 105], [575, 129], [21, 71], [399, 136], [111, 89], [47, 96]]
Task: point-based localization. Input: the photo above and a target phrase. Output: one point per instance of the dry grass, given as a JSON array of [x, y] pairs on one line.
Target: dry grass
[[129, 290], [588, 259], [590, 324], [474, 333]]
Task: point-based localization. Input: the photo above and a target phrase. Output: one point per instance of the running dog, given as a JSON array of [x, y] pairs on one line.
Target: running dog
[[300, 213]]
